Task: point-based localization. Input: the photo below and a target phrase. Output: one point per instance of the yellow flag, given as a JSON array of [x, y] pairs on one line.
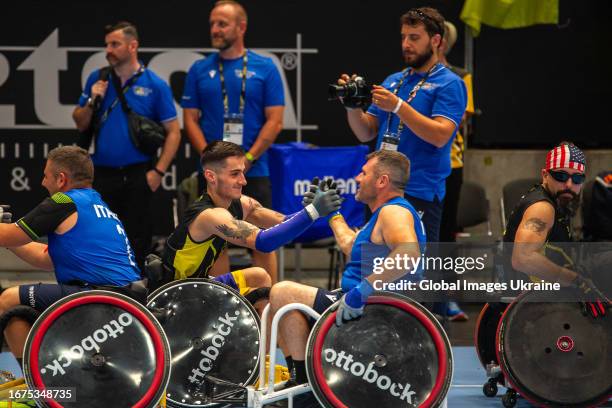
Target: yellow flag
[[509, 13]]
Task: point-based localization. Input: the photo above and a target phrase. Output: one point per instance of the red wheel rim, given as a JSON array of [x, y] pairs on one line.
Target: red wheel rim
[[412, 310], [133, 310]]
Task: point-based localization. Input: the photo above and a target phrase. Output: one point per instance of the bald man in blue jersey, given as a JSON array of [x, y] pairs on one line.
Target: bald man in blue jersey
[[87, 244]]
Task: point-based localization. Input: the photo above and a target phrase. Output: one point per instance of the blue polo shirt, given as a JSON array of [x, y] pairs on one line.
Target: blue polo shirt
[[264, 88], [443, 94], [149, 96]]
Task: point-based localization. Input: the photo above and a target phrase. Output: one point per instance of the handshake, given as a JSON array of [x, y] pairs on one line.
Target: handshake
[[323, 196], [5, 215]]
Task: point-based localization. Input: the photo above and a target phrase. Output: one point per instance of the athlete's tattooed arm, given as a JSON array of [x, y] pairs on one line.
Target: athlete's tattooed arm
[[536, 225], [257, 214], [238, 229]]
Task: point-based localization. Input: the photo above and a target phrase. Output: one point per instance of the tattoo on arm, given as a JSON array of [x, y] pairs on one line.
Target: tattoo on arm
[[254, 205], [536, 225], [239, 230]]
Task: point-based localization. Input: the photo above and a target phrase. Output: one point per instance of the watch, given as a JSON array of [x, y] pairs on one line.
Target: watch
[[90, 102], [249, 157]]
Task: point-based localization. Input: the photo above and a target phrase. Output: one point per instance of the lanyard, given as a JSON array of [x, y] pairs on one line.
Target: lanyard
[[245, 59], [411, 95]]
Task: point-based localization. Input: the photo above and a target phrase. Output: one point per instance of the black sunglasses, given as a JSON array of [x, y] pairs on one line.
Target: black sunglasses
[[562, 176], [424, 17]]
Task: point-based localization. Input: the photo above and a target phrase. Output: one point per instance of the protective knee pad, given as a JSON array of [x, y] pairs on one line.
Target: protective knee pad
[[257, 294]]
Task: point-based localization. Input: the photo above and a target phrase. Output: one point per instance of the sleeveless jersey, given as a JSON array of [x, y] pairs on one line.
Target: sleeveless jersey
[[189, 258], [559, 234], [364, 250]]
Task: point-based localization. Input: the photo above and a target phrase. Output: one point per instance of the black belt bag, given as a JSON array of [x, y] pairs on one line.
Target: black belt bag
[[146, 134]]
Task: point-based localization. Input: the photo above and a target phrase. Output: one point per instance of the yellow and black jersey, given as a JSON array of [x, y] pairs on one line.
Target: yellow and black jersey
[[193, 259], [458, 146]]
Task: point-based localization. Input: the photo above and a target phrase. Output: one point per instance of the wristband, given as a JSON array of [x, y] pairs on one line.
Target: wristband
[[334, 215], [158, 171], [312, 212], [249, 157], [398, 106]]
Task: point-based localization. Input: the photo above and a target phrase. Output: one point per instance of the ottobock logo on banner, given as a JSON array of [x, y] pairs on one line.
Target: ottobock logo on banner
[[293, 166]]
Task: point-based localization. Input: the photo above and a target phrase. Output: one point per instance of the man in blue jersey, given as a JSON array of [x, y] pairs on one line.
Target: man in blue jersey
[[417, 111], [125, 176], [87, 244], [236, 95], [395, 230]]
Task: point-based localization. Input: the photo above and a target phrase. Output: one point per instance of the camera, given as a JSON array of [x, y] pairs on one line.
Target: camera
[[356, 93]]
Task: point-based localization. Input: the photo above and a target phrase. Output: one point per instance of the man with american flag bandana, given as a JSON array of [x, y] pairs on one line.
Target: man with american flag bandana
[[541, 221]]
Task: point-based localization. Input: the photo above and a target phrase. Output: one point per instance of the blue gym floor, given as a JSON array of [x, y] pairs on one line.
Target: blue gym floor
[[466, 390]]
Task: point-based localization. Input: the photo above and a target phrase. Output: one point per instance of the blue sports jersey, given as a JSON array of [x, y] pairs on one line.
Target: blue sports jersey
[[96, 250], [264, 88], [149, 96], [443, 94], [364, 250]]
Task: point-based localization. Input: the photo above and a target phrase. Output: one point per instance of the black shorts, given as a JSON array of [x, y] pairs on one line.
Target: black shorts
[[325, 298], [42, 295], [260, 189]]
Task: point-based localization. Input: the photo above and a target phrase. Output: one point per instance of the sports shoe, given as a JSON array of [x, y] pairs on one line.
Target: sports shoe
[[455, 314]]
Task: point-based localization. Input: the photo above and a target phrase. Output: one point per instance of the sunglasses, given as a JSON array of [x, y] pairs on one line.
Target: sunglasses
[[424, 17], [562, 176]]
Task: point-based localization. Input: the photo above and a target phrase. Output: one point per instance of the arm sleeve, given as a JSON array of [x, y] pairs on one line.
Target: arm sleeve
[[46, 217], [451, 101], [87, 89], [190, 97], [166, 110], [274, 91], [272, 238]]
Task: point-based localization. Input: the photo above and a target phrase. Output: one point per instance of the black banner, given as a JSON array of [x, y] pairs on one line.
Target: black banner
[[531, 84]]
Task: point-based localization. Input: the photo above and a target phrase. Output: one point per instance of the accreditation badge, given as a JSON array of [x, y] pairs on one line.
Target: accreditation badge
[[233, 128]]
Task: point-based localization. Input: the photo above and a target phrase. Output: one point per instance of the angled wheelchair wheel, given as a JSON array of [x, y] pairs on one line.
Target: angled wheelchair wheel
[[104, 347], [213, 333], [395, 354]]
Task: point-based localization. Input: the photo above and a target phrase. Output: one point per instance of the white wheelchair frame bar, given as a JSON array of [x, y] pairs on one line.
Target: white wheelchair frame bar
[[265, 393]]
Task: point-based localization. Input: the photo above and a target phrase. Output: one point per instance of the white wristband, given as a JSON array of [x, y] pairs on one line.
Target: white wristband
[[398, 106], [312, 211]]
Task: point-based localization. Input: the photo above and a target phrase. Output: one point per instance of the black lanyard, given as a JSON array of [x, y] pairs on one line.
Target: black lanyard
[[121, 90], [411, 95], [245, 60]]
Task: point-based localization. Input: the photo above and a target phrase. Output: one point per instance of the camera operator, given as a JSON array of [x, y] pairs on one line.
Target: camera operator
[[416, 111]]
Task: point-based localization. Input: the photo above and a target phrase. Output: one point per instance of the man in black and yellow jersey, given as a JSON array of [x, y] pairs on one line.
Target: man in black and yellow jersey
[[223, 214]]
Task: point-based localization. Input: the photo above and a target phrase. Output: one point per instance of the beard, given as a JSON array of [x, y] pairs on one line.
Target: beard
[[115, 61], [419, 59], [567, 204], [222, 43]]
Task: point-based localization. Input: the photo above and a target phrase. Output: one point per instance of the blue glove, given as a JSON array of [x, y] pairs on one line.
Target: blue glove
[[352, 303]]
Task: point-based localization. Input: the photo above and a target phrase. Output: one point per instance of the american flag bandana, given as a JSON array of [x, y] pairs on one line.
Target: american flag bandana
[[566, 157]]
